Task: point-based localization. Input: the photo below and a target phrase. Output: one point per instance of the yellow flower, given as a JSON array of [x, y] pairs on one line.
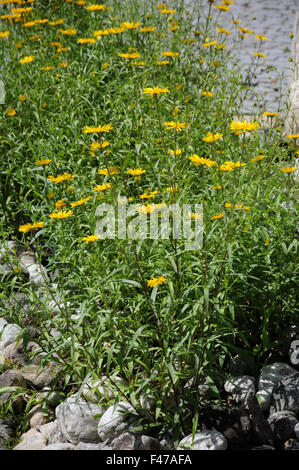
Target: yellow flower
[[293, 136], [261, 36], [289, 169], [86, 41], [99, 145], [136, 171], [27, 59], [175, 152], [60, 178], [170, 54], [178, 126], [223, 30], [171, 189], [259, 54], [100, 32], [267, 113], [11, 112], [217, 187], [111, 170], [56, 22], [27, 227], [222, 7], [212, 137], [208, 44], [154, 91], [202, 161], [245, 30], [156, 281], [217, 216], [239, 127], [46, 161], [148, 29], [228, 166], [207, 93], [68, 32], [50, 195], [149, 208], [48, 68], [105, 128], [4, 34], [267, 242], [96, 7], [102, 187], [257, 159], [90, 238], [168, 12], [61, 214], [80, 202], [130, 25], [148, 195], [162, 62], [133, 55], [60, 204]]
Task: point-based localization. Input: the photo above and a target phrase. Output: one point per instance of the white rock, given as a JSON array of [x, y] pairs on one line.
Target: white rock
[[37, 273], [51, 432], [102, 388], [31, 440], [114, 422], [204, 440], [60, 446], [10, 333], [3, 322], [10, 247], [76, 420], [264, 399], [296, 430]]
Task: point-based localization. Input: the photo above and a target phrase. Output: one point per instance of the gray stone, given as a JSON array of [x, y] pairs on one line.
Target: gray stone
[[12, 378], [294, 352], [76, 420], [10, 333], [51, 432], [31, 440], [50, 398], [36, 416], [204, 440], [115, 421], [41, 377], [282, 424], [86, 446], [3, 322], [296, 430], [285, 395], [15, 352], [132, 441], [37, 273], [270, 375], [102, 388], [238, 387], [6, 430], [60, 446]]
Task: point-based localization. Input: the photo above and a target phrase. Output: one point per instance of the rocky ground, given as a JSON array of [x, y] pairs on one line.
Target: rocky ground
[[260, 408]]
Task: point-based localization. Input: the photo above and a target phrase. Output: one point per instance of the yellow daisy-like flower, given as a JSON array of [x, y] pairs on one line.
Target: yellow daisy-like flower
[[212, 137], [257, 159], [148, 29], [222, 7], [130, 25], [207, 93], [99, 145], [239, 127], [60, 178], [170, 54], [259, 54], [68, 32], [156, 281], [149, 208], [45, 161], [155, 91], [61, 214], [80, 202], [178, 126], [267, 113], [11, 112], [111, 170], [223, 31], [102, 187], [289, 169], [100, 32], [217, 187], [162, 62], [202, 161], [217, 216], [60, 204], [27, 59], [261, 36], [228, 166], [171, 189], [22, 97], [48, 68], [209, 44], [4, 34], [175, 152], [56, 22], [136, 171], [133, 55], [148, 195], [105, 128], [86, 41], [96, 7], [27, 227], [90, 238], [293, 136]]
